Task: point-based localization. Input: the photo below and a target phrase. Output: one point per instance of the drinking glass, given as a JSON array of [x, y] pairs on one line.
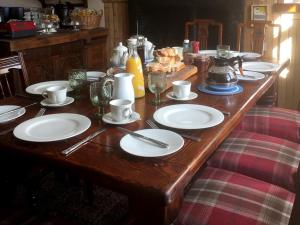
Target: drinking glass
[[100, 96], [157, 83], [77, 79], [223, 51]]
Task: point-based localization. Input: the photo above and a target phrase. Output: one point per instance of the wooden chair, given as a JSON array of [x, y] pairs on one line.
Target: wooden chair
[[258, 36], [199, 28], [10, 67]]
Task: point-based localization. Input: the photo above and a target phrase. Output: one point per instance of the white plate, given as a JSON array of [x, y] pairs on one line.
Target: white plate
[[94, 75], [214, 53], [192, 96], [188, 116], [39, 88], [12, 115], [250, 55], [108, 119], [68, 101], [52, 127], [139, 147], [253, 76], [262, 67]]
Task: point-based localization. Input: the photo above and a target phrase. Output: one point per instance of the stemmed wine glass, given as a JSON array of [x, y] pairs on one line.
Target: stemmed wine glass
[[157, 83], [77, 79], [100, 96]]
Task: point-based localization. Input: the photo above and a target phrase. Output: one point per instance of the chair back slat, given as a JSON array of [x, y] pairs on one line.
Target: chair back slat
[[7, 82], [199, 28], [256, 32]]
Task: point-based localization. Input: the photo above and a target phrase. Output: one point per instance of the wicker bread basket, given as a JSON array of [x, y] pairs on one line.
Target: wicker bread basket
[[88, 21]]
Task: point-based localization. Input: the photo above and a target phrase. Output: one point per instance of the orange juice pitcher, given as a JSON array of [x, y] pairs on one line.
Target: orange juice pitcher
[[134, 66]]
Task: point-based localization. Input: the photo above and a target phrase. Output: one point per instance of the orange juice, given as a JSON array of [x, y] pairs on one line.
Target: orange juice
[[134, 66]]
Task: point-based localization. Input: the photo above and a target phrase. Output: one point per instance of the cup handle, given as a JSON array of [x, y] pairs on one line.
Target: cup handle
[[127, 113], [44, 94]]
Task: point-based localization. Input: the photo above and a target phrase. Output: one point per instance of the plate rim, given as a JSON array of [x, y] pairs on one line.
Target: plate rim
[[193, 95], [30, 88], [275, 66], [251, 74], [71, 100], [23, 125], [221, 119], [258, 55], [157, 130], [119, 123], [202, 88], [21, 114]]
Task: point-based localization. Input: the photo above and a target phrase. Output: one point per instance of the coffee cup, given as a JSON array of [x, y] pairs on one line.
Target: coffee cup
[[55, 94], [120, 109], [181, 88]]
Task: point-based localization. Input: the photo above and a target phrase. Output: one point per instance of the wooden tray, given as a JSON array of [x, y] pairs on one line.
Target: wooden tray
[[185, 73]]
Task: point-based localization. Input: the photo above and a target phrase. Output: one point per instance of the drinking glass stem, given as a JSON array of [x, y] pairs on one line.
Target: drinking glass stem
[[157, 98], [101, 110]]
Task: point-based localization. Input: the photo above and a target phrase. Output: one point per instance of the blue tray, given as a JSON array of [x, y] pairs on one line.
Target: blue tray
[[220, 88], [236, 90]]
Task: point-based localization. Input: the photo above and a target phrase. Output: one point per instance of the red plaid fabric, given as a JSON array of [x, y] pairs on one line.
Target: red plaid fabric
[[273, 121], [221, 197], [259, 156]]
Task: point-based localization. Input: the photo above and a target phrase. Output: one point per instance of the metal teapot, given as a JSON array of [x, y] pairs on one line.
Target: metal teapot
[[148, 49], [222, 72], [119, 56]]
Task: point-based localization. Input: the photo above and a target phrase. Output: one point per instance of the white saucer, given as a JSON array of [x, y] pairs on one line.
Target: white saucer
[[192, 95], [108, 119], [68, 101]]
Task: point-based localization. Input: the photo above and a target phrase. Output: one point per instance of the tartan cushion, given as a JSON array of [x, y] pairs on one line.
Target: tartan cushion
[[221, 197], [273, 121], [259, 156]]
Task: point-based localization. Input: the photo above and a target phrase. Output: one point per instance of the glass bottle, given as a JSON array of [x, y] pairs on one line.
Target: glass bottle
[[134, 66]]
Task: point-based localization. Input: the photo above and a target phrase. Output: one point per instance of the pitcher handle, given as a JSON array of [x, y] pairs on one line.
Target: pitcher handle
[[105, 81]]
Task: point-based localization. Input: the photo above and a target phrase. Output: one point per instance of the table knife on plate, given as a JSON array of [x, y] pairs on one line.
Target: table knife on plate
[[159, 143]]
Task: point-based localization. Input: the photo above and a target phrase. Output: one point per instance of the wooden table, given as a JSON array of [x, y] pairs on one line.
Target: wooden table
[[155, 186]]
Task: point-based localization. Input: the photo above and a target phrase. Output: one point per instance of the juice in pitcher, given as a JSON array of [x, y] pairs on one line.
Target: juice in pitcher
[[134, 66]]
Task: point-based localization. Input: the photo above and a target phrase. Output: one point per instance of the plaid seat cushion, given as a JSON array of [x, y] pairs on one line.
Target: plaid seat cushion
[[221, 197], [273, 121], [264, 157]]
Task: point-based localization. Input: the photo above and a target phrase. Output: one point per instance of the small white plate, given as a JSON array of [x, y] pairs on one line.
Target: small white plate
[[262, 67], [139, 147], [94, 75], [192, 96], [214, 53], [68, 101], [188, 116], [250, 55], [12, 115], [108, 119], [253, 76], [54, 127], [39, 88]]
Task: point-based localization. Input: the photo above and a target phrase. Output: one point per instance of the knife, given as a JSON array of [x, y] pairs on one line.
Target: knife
[[159, 143], [76, 146], [20, 107]]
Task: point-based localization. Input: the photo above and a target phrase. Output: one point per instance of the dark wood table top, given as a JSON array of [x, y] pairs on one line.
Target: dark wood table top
[[158, 181]]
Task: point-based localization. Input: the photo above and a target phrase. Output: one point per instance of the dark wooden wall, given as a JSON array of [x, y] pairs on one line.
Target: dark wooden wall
[[163, 21]]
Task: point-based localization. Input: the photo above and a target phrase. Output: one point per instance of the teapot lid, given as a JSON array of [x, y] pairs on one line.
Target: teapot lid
[[121, 47]]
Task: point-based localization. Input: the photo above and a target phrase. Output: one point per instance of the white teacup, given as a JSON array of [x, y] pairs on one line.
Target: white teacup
[[181, 88], [121, 109], [55, 94]]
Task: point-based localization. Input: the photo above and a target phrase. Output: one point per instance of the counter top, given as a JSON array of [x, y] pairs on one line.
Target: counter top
[[60, 37]]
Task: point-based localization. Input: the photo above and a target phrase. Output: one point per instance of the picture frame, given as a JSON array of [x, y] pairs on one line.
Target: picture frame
[[259, 12]]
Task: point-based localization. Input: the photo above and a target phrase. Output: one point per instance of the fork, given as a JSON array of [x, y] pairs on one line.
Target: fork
[[191, 137], [39, 113]]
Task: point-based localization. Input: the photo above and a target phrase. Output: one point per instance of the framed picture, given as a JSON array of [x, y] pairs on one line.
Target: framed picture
[[259, 12]]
